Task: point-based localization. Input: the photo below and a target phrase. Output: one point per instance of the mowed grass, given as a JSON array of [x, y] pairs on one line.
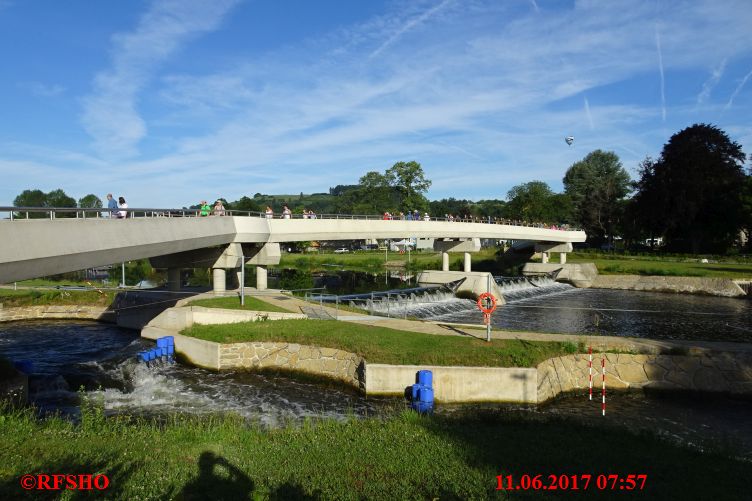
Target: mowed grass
[[402, 457], [388, 346], [623, 265], [233, 303], [29, 297]]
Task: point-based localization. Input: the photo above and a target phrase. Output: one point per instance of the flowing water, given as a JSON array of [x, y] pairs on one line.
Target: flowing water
[[102, 359], [543, 305]]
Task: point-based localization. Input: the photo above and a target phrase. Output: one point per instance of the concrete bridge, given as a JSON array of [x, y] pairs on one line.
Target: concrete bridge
[[175, 239]]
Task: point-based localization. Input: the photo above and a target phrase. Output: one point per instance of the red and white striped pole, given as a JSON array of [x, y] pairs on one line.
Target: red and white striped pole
[[603, 385], [590, 371]]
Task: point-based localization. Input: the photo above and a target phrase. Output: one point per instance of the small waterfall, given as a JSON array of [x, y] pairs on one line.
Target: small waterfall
[[519, 288]]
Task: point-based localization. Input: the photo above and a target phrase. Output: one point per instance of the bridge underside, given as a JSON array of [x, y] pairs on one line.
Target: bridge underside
[[35, 248]]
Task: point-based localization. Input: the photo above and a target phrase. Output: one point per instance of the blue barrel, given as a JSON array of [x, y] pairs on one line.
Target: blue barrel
[[170, 340], [426, 395], [161, 342], [163, 351], [170, 350], [415, 390], [425, 378], [151, 354], [25, 366], [143, 356]]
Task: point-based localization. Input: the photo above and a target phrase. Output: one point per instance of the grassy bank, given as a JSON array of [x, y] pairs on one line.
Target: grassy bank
[[388, 346], [233, 303], [29, 297], [667, 266], [404, 457]]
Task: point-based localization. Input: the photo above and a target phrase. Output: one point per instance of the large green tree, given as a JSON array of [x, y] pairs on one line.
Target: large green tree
[[597, 185], [534, 201], [37, 198], [410, 182], [696, 189], [90, 201]]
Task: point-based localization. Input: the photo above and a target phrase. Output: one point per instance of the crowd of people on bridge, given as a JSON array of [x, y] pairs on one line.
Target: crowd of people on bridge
[[118, 209]]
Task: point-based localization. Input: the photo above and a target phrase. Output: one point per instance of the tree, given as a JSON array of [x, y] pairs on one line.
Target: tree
[[58, 198], [90, 201], [596, 185], [410, 182], [31, 198], [697, 188], [535, 202]]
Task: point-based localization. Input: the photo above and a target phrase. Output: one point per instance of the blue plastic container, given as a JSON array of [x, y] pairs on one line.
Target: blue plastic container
[[163, 351], [170, 340], [161, 342], [416, 389], [151, 354], [170, 350], [425, 378], [143, 356], [425, 395]]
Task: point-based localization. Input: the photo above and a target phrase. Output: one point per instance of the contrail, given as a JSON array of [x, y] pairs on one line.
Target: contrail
[[587, 112], [535, 6], [711, 82], [737, 91], [660, 68], [408, 26]]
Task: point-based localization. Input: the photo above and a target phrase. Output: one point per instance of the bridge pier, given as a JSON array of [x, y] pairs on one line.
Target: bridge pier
[[261, 277], [219, 281], [173, 279], [446, 246], [546, 248]]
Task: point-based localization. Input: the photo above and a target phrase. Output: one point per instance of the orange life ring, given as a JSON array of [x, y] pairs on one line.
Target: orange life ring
[[484, 300]]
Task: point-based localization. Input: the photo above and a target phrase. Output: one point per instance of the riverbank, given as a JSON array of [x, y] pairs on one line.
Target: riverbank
[[404, 457]]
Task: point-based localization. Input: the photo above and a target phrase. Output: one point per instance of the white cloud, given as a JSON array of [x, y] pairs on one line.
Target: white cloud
[[110, 114]]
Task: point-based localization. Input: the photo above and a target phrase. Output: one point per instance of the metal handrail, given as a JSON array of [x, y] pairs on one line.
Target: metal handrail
[[52, 213]]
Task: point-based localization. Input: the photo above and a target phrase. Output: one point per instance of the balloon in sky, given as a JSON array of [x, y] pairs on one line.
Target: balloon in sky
[[569, 140]]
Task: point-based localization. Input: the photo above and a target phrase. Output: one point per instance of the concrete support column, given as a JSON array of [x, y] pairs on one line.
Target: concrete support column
[[173, 279], [220, 280], [261, 280], [444, 261], [468, 262], [544, 257], [563, 257]]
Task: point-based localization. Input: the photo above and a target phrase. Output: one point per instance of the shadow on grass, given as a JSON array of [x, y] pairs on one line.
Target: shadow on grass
[[218, 479], [117, 473], [525, 444]]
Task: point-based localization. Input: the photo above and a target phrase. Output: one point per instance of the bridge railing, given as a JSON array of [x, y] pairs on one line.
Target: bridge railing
[[24, 213]]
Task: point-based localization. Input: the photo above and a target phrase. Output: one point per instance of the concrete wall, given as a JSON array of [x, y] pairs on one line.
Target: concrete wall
[[177, 319], [577, 274], [329, 362], [693, 285], [719, 372], [475, 282], [99, 313], [457, 384]]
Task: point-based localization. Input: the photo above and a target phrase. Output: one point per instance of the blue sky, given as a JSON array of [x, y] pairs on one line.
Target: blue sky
[[170, 102]]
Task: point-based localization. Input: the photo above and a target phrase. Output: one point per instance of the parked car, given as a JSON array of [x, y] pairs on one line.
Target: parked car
[[341, 250]]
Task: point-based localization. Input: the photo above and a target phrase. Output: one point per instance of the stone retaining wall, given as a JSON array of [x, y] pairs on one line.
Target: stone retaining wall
[[692, 285], [721, 372], [99, 313], [329, 362]]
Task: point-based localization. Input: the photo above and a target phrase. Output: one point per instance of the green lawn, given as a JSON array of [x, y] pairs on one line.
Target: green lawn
[[29, 297], [403, 457], [638, 265], [233, 303], [388, 346]]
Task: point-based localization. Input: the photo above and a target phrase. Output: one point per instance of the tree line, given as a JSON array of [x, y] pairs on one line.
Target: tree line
[[696, 196]]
